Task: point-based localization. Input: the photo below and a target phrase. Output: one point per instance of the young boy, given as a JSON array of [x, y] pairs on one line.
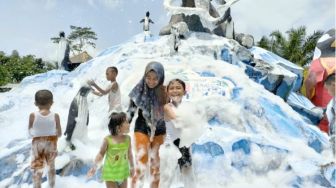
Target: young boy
[[45, 128], [329, 84], [112, 90]]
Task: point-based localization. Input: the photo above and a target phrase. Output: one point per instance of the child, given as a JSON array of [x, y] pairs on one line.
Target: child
[[118, 161], [148, 96], [330, 86], [112, 90], [176, 89], [44, 127], [78, 117]]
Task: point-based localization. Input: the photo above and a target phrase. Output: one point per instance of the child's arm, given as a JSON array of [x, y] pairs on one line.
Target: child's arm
[[114, 88], [98, 159], [102, 91], [30, 123], [168, 112], [58, 125], [97, 93], [130, 158]]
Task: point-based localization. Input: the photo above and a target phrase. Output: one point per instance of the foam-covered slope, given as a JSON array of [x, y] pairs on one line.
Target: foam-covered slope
[[251, 136]]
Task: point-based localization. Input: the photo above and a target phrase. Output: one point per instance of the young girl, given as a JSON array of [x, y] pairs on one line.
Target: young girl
[[176, 89], [118, 164], [148, 96]]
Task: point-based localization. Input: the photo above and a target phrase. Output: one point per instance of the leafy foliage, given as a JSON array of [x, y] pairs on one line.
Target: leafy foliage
[[79, 39], [297, 47], [14, 68]]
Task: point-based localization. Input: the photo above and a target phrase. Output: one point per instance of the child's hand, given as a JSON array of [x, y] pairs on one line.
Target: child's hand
[[91, 82], [132, 172], [176, 99], [91, 172]]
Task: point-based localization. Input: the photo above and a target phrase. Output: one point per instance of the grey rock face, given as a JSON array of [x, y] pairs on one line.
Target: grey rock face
[[245, 40], [193, 21]]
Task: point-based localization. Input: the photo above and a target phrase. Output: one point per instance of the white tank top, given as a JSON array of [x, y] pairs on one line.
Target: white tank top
[[114, 99], [171, 132], [44, 125]]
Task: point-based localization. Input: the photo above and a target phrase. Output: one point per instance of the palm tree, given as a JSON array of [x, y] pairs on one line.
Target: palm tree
[[264, 43], [297, 47]]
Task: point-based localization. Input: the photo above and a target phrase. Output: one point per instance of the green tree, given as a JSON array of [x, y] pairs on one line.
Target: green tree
[[297, 47], [264, 43], [2, 53], [15, 53], [4, 75], [14, 68], [79, 39]]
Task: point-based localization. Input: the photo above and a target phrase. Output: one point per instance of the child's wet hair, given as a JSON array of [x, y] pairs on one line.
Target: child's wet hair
[[179, 81], [43, 97], [330, 80], [116, 120], [113, 69]]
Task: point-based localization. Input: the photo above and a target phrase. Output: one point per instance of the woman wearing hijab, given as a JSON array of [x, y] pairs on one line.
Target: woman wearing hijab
[[148, 97]]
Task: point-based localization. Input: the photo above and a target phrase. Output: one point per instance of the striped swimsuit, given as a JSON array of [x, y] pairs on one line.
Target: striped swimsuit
[[116, 164]]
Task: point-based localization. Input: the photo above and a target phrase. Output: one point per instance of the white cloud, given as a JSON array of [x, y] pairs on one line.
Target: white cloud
[[33, 4], [50, 4], [109, 4], [91, 3], [260, 17]]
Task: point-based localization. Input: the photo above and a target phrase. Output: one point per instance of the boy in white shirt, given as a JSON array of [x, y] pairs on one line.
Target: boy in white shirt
[[112, 90], [44, 126]]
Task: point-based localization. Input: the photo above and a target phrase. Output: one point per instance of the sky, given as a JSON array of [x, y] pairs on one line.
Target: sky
[[28, 25]]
